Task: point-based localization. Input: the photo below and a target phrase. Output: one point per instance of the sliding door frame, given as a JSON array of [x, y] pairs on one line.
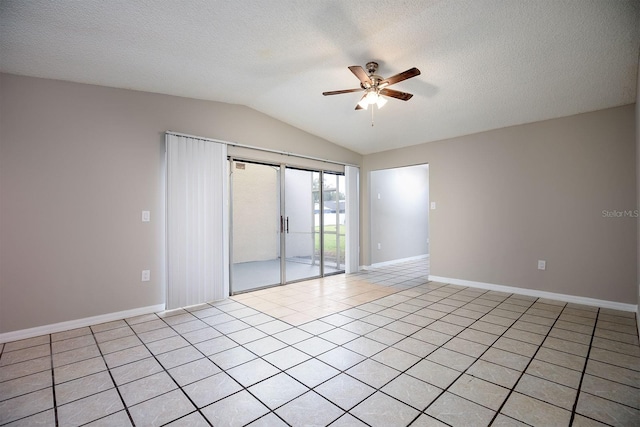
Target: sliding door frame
[[231, 161], [283, 212]]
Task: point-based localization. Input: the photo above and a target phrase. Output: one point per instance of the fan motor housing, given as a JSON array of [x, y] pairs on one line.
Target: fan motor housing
[[372, 67], [375, 80]]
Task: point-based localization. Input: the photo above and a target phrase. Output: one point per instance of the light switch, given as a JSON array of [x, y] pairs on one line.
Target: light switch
[[146, 275], [433, 205], [542, 264], [146, 216]]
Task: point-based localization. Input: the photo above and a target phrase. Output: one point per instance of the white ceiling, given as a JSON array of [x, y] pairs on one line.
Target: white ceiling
[[485, 64]]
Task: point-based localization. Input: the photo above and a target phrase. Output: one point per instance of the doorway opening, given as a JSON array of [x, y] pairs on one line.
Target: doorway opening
[[399, 214]]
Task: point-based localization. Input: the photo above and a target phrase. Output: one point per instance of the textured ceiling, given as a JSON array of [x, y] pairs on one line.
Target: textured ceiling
[[485, 64]]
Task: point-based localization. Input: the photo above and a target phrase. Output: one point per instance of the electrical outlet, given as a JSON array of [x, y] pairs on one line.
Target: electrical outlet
[[146, 275], [542, 264], [433, 205]]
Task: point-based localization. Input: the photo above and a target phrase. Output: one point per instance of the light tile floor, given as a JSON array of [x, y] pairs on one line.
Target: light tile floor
[[382, 348], [303, 302]]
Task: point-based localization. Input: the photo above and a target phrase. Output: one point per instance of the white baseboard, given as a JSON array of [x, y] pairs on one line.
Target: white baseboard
[[78, 323], [540, 294], [398, 261]]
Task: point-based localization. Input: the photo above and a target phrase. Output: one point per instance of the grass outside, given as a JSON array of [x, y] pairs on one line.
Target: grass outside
[[330, 241]]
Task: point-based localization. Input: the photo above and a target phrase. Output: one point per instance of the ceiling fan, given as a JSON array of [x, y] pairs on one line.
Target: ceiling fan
[[375, 86]]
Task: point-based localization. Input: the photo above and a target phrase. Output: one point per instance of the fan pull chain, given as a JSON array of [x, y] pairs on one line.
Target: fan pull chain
[[372, 108]]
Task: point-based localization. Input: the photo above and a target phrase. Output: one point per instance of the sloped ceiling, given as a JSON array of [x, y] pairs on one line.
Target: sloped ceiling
[[485, 64]]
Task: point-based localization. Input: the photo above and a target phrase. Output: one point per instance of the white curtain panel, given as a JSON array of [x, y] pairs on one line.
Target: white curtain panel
[[352, 178], [197, 221]]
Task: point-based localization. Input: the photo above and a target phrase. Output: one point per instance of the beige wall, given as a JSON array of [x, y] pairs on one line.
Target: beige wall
[[508, 197], [78, 164]]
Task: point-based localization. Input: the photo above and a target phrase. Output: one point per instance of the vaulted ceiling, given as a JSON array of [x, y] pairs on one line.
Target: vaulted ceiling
[[485, 64]]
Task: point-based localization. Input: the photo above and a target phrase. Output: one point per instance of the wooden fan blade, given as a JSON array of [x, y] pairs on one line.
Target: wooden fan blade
[[338, 92], [361, 75], [412, 72], [396, 94]]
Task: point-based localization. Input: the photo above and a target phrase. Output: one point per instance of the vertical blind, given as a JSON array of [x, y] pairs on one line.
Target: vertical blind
[[352, 177], [197, 221]]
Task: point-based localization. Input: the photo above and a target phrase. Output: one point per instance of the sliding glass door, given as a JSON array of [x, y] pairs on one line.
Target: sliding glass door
[[255, 219], [333, 230], [287, 224], [302, 260]]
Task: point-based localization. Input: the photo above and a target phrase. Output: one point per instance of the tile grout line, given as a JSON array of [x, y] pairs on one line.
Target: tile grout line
[[584, 369], [126, 408], [53, 382], [512, 389]]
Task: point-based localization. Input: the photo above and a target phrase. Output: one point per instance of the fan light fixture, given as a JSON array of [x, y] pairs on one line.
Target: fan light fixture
[[375, 86], [372, 97]]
